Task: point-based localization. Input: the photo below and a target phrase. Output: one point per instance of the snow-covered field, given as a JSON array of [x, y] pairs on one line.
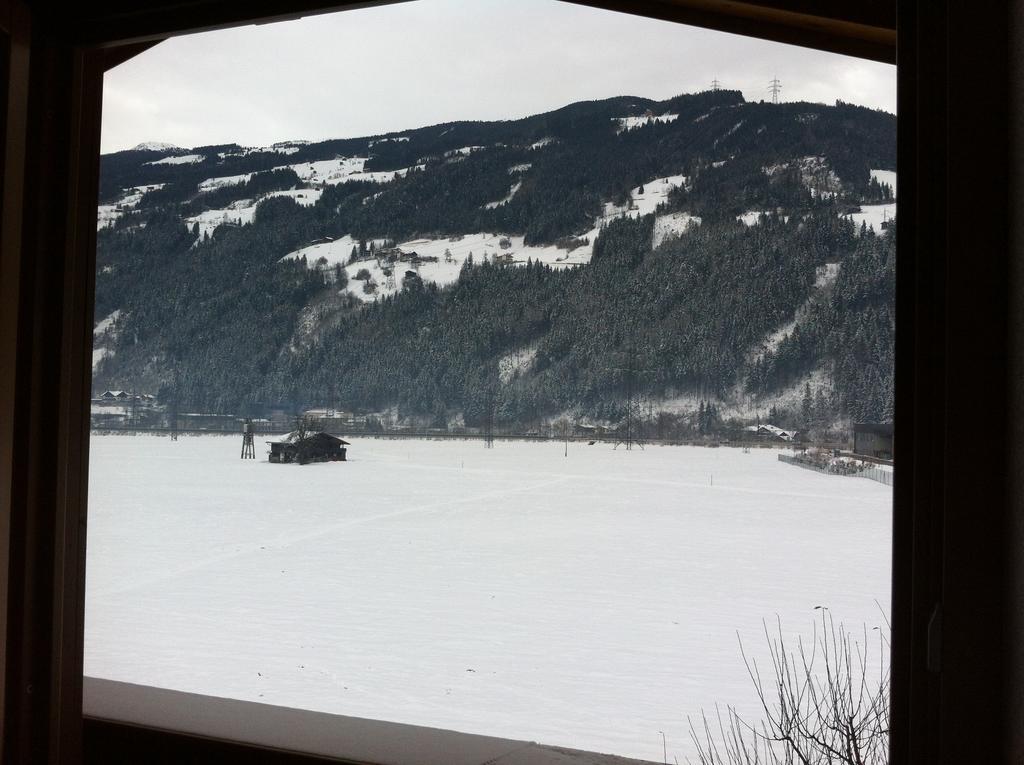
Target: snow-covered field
[[589, 601]]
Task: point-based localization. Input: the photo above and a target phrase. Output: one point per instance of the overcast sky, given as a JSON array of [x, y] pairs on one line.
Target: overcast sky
[[412, 64]]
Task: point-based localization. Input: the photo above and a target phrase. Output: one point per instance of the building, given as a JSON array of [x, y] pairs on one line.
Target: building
[[873, 440], [771, 432], [318, 447]]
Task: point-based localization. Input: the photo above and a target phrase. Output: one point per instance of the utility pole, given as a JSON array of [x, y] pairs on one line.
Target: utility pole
[[715, 84], [775, 87]]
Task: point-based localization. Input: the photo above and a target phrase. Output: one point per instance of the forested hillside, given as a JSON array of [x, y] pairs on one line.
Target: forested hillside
[[736, 257]]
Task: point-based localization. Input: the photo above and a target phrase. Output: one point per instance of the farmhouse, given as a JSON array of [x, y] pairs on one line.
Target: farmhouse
[[771, 432], [317, 447]]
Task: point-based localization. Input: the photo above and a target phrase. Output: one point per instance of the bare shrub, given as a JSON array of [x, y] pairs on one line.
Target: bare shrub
[[823, 703]]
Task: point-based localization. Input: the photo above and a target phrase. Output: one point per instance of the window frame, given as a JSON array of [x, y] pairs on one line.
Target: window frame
[[950, 566]]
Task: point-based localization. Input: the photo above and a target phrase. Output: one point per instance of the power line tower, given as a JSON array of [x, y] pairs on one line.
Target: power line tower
[[629, 370], [715, 84], [248, 447], [775, 87], [489, 420]]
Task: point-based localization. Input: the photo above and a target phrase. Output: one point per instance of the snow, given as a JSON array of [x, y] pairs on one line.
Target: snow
[[672, 225], [182, 159], [587, 601], [545, 141], [655, 193], [505, 199], [464, 151], [874, 216], [396, 139], [105, 324], [751, 217], [520, 168], [277, 148], [98, 354], [154, 146], [304, 197], [515, 363], [240, 213], [488, 245], [225, 180], [106, 215], [326, 171], [825, 276], [628, 123], [886, 176], [333, 252]]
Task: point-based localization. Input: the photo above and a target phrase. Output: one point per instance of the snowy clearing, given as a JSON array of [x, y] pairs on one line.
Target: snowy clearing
[[885, 176], [672, 225], [545, 141], [628, 123], [225, 180], [105, 324], [874, 216], [587, 601], [324, 171], [107, 215], [240, 213], [452, 252], [183, 159]]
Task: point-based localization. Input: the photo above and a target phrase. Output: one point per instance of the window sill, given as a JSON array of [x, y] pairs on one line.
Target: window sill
[[315, 734]]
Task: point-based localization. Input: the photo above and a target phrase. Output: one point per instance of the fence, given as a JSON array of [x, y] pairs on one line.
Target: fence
[[872, 473]]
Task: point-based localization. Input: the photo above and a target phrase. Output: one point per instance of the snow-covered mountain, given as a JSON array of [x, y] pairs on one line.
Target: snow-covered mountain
[[400, 270]]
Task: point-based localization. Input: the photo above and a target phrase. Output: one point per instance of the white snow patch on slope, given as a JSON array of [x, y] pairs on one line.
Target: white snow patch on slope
[[98, 354], [285, 149], [507, 198], [672, 225], [241, 579], [488, 246], [396, 139], [106, 215], [304, 197], [815, 174], [824, 276], [240, 213], [628, 123], [751, 217], [105, 324], [464, 151], [154, 146], [520, 168], [331, 252], [515, 363], [886, 176], [325, 171], [874, 216], [545, 141], [184, 159], [225, 180]]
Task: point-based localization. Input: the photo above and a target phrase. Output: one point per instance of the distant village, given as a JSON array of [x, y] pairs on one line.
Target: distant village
[[121, 410]]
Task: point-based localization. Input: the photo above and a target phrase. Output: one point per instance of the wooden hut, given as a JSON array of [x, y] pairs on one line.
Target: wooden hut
[[316, 447]]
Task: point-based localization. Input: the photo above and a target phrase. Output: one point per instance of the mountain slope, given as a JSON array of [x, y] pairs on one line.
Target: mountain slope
[[245, 279]]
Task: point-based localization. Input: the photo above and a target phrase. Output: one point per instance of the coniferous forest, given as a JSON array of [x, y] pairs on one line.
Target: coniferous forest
[[788, 312]]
